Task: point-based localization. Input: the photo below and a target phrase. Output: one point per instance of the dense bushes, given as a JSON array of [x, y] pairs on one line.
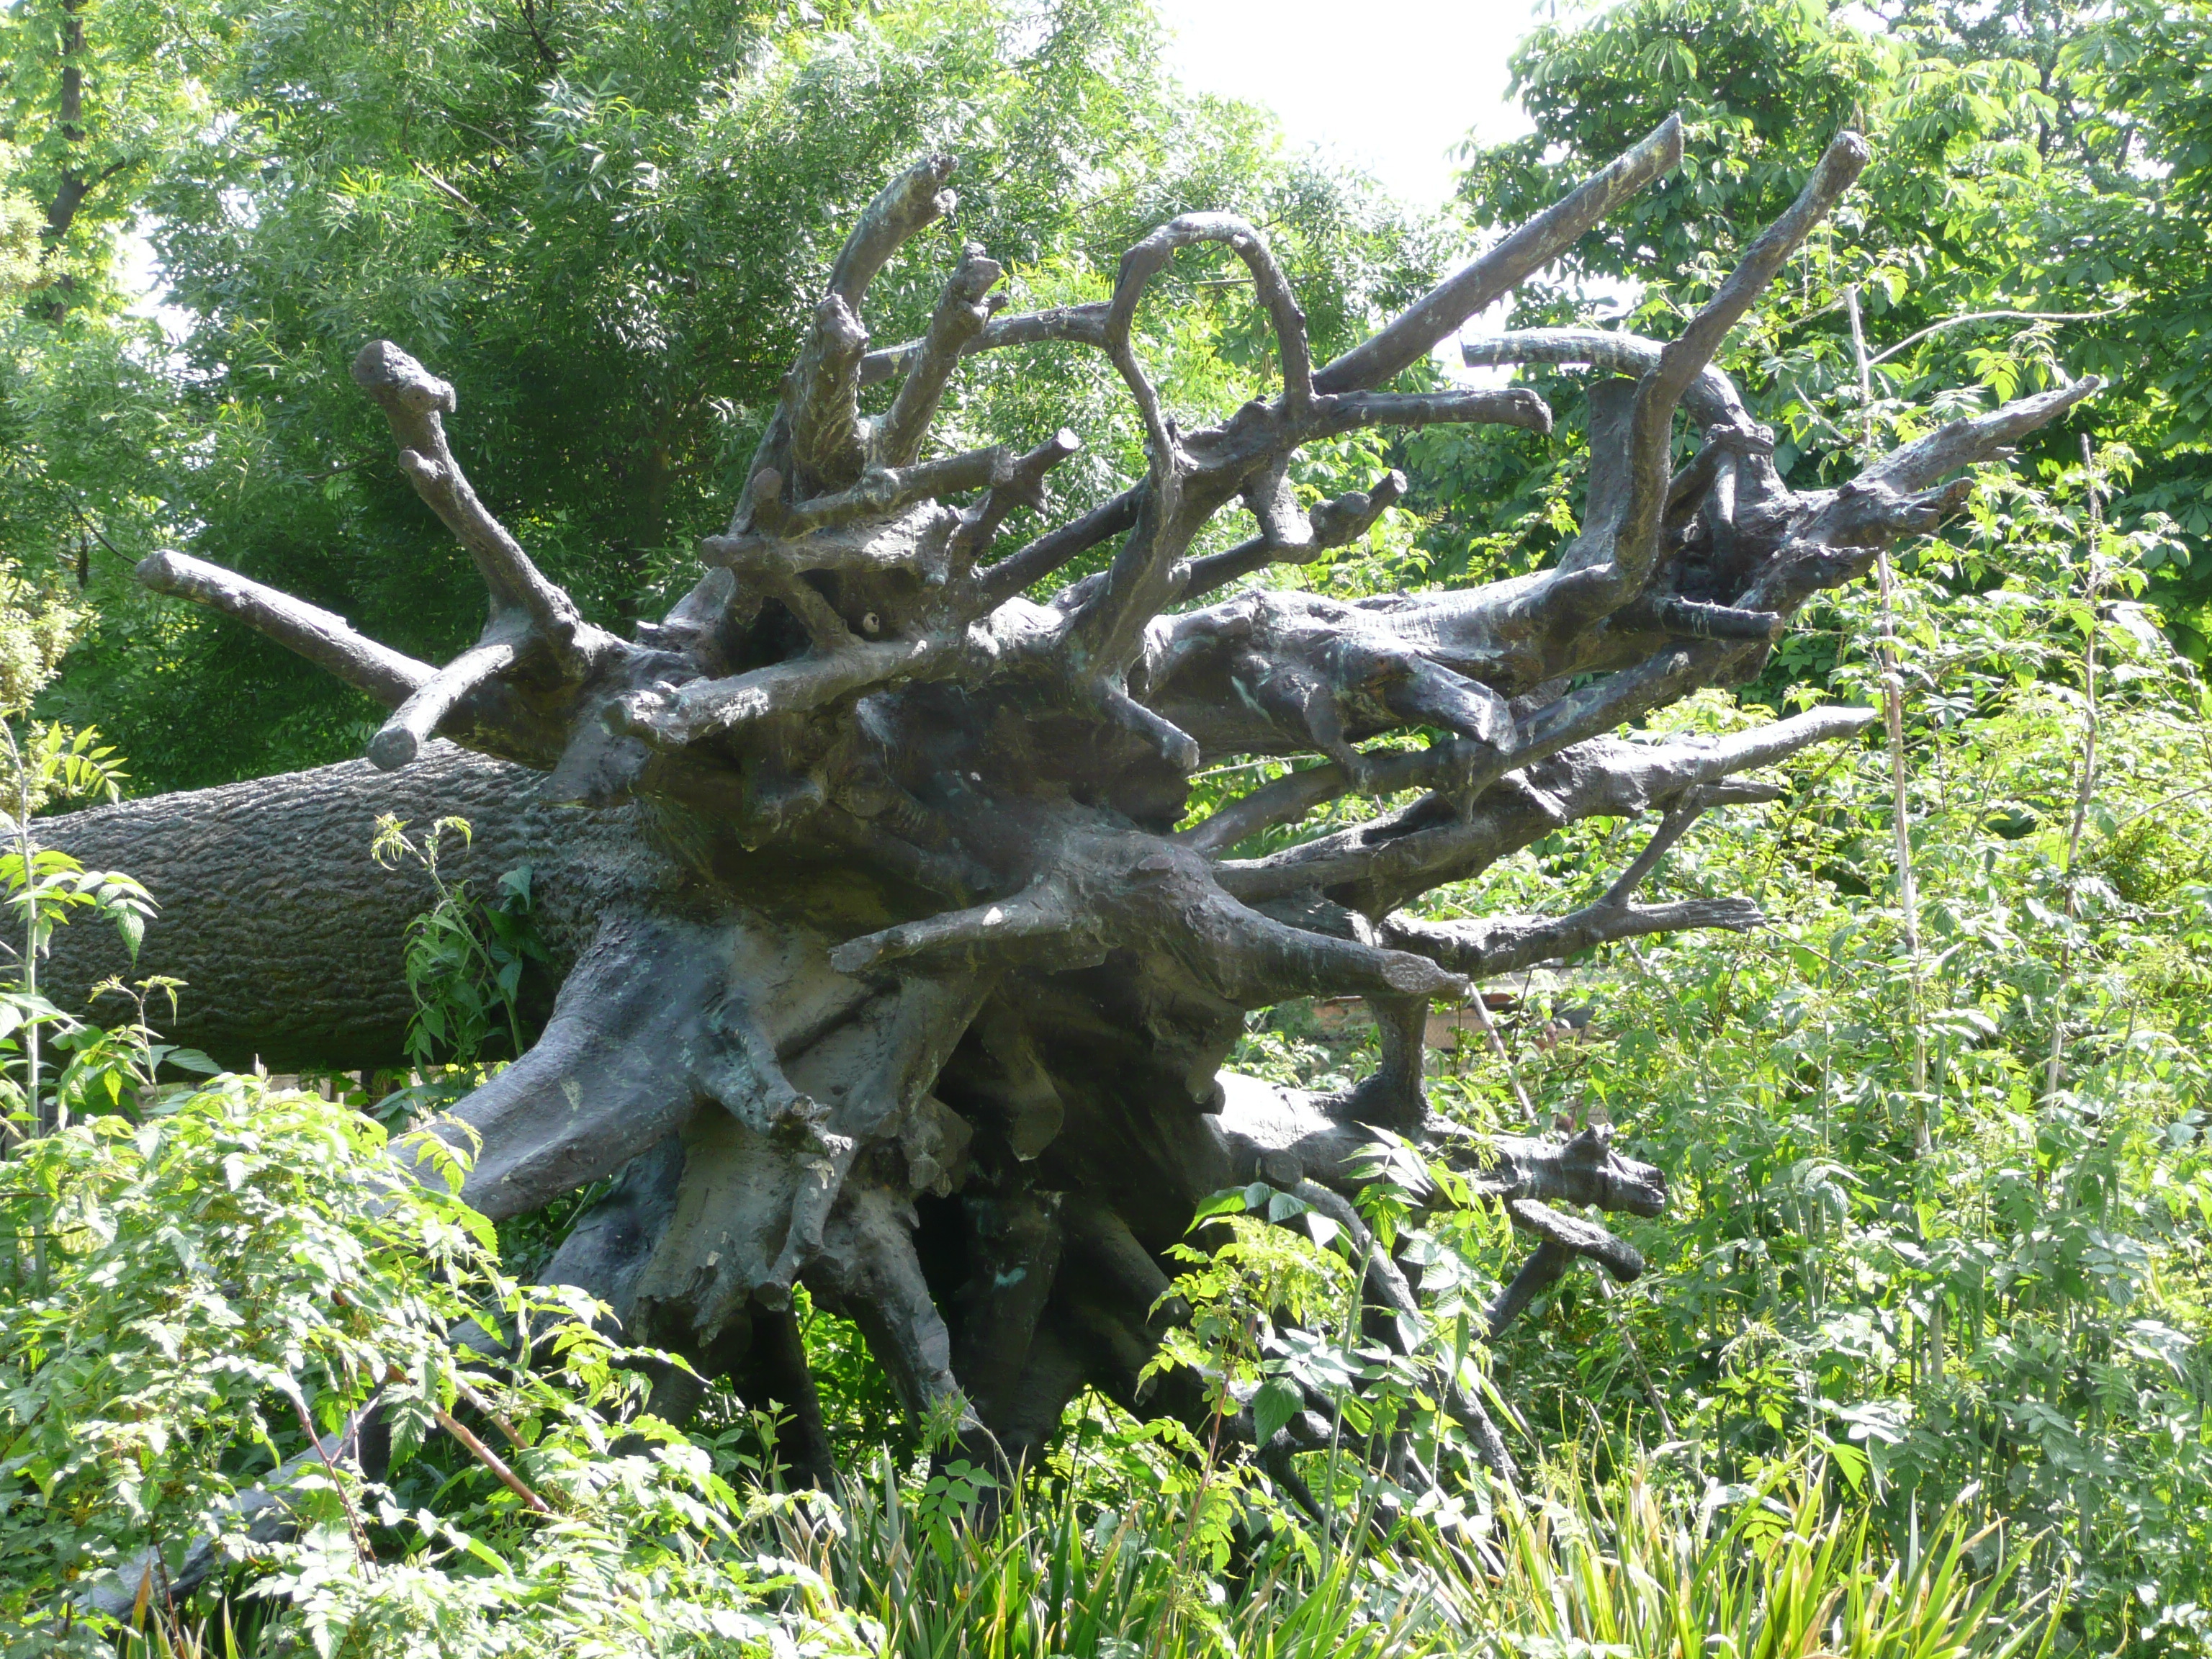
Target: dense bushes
[[195, 1287], [198, 1285]]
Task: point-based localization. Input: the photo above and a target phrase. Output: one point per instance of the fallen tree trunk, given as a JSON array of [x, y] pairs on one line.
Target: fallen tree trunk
[[287, 935], [886, 963]]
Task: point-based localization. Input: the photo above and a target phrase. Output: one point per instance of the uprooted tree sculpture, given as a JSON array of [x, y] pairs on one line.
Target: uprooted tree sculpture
[[888, 970]]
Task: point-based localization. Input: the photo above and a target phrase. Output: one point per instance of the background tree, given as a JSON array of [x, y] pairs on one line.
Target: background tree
[[2033, 196], [609, 207]]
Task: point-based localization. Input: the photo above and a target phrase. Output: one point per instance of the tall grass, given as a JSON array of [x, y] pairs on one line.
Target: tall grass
[[1625, 1568], [1772, 1575]]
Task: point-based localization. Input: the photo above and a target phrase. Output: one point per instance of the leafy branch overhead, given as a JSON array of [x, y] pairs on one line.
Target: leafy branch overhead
[[898, 972]]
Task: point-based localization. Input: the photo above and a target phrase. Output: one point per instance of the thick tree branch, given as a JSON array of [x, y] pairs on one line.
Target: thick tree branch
[[1353, 411], [1582, 1237], [415, 402], [1333, 523], [1979, 438], [903, 209], [1084, 324], [1712, 397], [1289, 798], [1582, 1170], [1412, 851], [1023, 486], [1151, 256], [1685, 810], [1040, 558], [878, 493], [1681, 360], [821, 401], [325, 640], [416, 720], [960, 317], [1505, 944], [1048, 910], [1546, 1266], [1438, 313], [703, 708]]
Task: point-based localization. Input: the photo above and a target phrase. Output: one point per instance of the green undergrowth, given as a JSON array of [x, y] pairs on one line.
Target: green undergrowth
[[1638, 1564], [189, 1286]]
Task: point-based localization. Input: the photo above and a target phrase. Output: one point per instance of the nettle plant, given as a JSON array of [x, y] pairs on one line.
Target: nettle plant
[[466, 958], [1294, 1308], [240, 1297]]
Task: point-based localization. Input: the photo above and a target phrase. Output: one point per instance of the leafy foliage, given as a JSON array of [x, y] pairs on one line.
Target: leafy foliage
[[2033, 210], [39, 764], [465, 958], [1936, 1254], [1997, 1279], [1096, 1558], [603, 222], [194, 1298]]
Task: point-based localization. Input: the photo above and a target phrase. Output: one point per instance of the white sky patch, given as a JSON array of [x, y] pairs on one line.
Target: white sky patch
[[1391, 86], [139, 275]]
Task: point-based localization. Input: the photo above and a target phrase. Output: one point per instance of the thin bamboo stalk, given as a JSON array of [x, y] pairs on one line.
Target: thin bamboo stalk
[[2085, 791]]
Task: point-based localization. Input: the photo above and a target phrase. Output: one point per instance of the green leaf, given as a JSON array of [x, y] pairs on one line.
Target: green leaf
[[1230, 1201], [1275, 1404]]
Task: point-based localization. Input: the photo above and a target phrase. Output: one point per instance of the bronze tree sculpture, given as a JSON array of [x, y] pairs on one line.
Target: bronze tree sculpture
[[888, 970]]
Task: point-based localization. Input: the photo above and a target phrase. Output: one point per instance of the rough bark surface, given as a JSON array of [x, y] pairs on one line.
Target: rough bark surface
[[288, 935], [887, 963]]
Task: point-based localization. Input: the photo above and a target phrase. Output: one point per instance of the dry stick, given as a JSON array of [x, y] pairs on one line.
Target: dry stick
[[1336, 1419], [359, 1532], [1657, 1401], [1893, 712], [476, 1449], [491, 1459], [1911, 340], [2093, 583], [168, 1596], [479, 1405], [27, 854], [1504, 1058]]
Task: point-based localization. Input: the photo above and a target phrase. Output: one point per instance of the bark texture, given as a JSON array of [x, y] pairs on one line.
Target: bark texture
[[287, 936], [887, 962]]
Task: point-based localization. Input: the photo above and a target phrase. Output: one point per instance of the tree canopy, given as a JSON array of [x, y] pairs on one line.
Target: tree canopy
[[2036, 207]]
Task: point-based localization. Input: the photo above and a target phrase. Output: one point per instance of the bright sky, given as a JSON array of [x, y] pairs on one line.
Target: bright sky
[[1391, 85]]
